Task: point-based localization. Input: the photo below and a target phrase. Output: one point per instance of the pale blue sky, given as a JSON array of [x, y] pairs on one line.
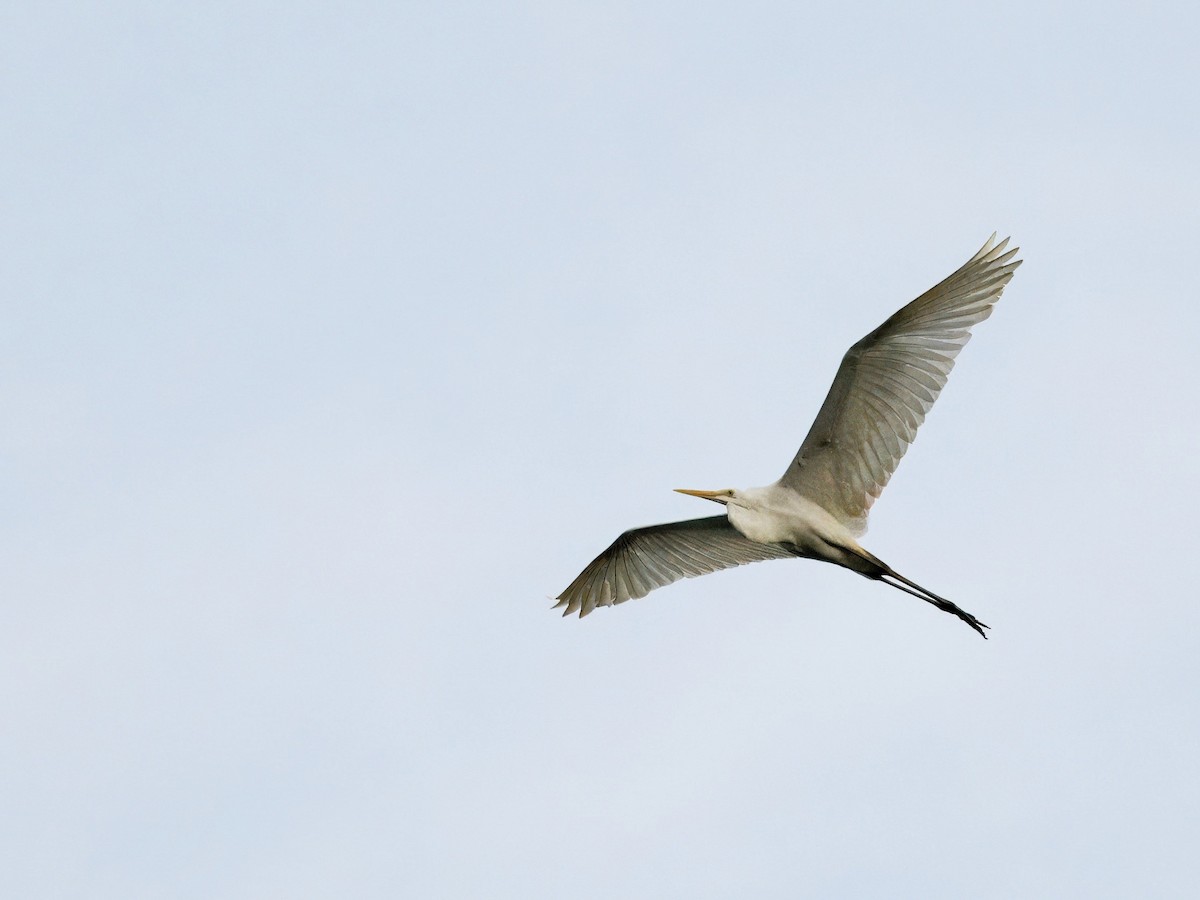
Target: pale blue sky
[[338, 338]]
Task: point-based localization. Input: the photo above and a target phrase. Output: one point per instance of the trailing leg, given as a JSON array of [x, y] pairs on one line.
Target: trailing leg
[[876, 569], [911, 587]]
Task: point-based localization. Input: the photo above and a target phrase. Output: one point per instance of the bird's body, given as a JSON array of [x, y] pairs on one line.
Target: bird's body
[[775, 515], [818, 509]]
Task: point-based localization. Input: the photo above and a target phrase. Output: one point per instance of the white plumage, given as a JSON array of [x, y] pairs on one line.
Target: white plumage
[[883, 389]]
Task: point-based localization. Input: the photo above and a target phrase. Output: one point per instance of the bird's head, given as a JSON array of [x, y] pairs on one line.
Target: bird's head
[[722, 497]]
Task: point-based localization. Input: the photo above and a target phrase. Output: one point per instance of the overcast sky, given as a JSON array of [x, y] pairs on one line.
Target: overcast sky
[[337, 339]]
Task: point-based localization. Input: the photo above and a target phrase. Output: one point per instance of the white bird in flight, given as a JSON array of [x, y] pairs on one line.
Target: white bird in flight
[[885, 385]]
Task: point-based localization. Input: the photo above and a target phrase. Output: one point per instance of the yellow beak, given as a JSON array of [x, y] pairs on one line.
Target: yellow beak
[[715, 496]]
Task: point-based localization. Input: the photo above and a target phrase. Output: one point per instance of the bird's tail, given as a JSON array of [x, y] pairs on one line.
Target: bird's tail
[[890, 576]]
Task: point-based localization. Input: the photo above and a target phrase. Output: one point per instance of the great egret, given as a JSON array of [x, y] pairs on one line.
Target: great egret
[[884, 387]]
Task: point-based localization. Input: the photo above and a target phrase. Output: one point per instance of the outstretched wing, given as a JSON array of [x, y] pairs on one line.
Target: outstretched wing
[[886, 384], [643, 559]]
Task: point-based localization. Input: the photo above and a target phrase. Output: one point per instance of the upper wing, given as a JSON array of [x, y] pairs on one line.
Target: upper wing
[[643, 559], [886, 384]]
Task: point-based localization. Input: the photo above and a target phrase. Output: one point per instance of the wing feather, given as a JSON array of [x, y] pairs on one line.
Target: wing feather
[[643, 559], [887, 383]]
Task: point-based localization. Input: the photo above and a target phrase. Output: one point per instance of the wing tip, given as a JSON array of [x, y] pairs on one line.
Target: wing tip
[[571, 604], [994, 253]]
